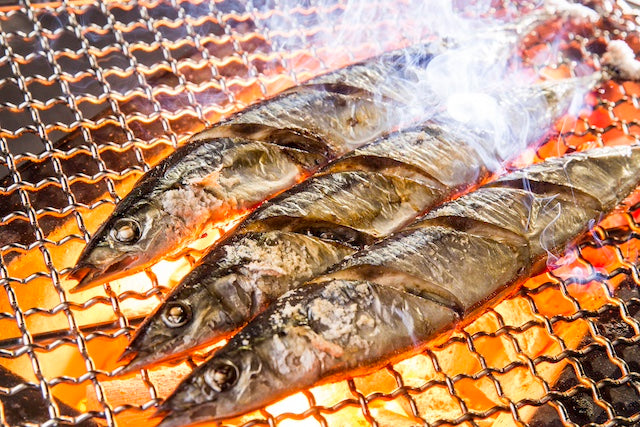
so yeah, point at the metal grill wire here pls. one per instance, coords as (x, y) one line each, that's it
(93, 94)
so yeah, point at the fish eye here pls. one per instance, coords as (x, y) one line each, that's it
(222, 377)
(126, 231)
(176, 314)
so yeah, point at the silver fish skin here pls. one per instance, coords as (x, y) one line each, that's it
(226, 171)
(298, 235)
(392, 298)
(365, 196)
(316, 331)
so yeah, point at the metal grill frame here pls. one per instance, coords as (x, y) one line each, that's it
(290, 67)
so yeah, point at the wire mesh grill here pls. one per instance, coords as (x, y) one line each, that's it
(94, 93)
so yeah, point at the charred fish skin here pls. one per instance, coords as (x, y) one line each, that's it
(317, 329)
(287, 241)
(225, 291)
(301, 233)
(178, 198)
(364, 196)
(420, 281)
(290, 136)
(334, 121)
(534, 212)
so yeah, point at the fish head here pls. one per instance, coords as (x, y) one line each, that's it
(191, 316)
(230, 383)
(131, 239)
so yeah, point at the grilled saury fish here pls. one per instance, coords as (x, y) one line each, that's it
(226, 171)
(357, 200)
(396, 295)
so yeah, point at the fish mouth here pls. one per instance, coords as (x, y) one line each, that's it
(89, 275)
(134, 360)
(172, 418)
(138, 354)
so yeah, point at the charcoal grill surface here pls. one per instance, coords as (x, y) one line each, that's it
(92, 94)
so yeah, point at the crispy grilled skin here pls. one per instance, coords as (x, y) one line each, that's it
(403, 291)
(231, 168)
(302, 232)
(365, 196)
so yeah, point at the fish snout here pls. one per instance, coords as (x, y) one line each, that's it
(90, 274)
(86, 274)
(80, 271)
(175, 416)
(144, 351)
(128, 355)
(133, 359)
(137, 355)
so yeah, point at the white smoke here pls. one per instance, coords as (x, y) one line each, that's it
(622, 59)
(468, 85)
